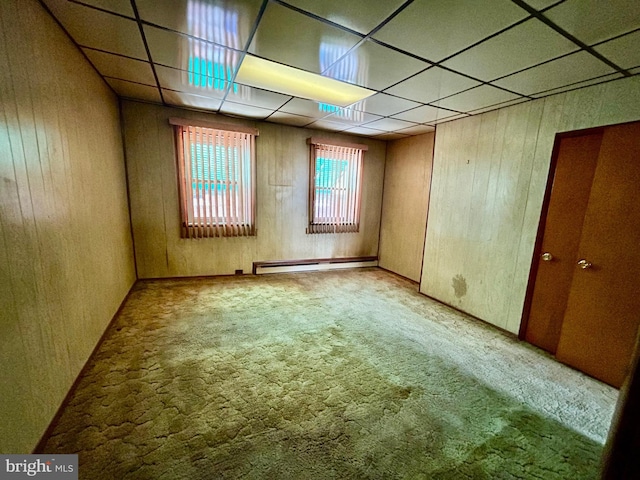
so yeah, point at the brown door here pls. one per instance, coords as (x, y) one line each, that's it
(585, 305)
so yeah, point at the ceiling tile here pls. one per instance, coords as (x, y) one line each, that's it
(182, 99)
(392, 136)
(383, 104)
(290, 119)
(570, 69)
(325, 124)
(417, 130)
(123, 7)
(96, 29)
(479, 97)
(203, 58)
(121, 67)
(289, 37)
(433, 84)
(308, 108)
(350, 116)
(369, 132)
(224, 22)
(623, 51)
(449, 119)
(593, 21)
(373, 66)
(359, 15)
(389, 124)
(169, 48)
(243, 110)
(135, 90)
(574, 86)
(257, 97)
(528, 44)
(425, 114)
(541, 4)
(436, 29)
(499, 105)
(183, 81)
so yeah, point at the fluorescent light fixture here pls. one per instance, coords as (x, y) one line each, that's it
(257, 72)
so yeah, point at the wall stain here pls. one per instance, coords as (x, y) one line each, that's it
(459, 286)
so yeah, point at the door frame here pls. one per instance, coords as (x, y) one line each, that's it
(537, 249)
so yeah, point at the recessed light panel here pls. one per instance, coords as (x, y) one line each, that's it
(257, 72)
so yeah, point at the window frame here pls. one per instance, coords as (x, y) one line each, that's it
(348, 222)
(195, 224)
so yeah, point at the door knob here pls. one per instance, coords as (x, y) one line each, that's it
(584, 264)
(546, 257)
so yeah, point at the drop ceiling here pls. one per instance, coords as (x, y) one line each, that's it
(428, 61)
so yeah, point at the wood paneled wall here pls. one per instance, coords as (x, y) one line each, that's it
(488, 184)
(66, 259)
(282, 191)
(407, 179)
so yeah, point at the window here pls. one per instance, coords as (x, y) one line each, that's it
(335, 186)
(216, 175)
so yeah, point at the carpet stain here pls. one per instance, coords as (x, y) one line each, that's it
(459, 284)
(283, 377)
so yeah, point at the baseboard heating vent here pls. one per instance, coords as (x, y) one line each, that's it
(307, 265)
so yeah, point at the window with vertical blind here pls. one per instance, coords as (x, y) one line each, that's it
(216, 176)
(335, 186)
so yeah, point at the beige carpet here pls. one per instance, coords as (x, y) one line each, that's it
(345, 375)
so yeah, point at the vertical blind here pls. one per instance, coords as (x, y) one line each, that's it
(335, 187)
(217, 181)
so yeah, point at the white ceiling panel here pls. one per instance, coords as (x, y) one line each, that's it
(390, 124)
(352, 117)
(479, 97)
(585, 83)
(499, 105)
(425, 114)
(433, 84)
(359, 15)
(567, 70)
(383, 104)
(417, 130)
(593, 21)
(523, 46)
(289, 37)
(326, 124)
(121, 7)
(373, 66)
(202, 58)
(224, 22)
(183, 81)
(244, 110)
(541, 4)
(308, 108)
(100, 30)
(622, 51)
(392, 136)
(436, 29)
(121, 67)
(368, 132)
(182, 99)
(135, 90)
(290, 119)
(257, 97)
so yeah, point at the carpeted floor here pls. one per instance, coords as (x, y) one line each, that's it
(345, 374)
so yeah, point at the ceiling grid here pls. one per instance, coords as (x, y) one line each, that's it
(424, 61)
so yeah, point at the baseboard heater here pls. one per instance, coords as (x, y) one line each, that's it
(282, 266)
